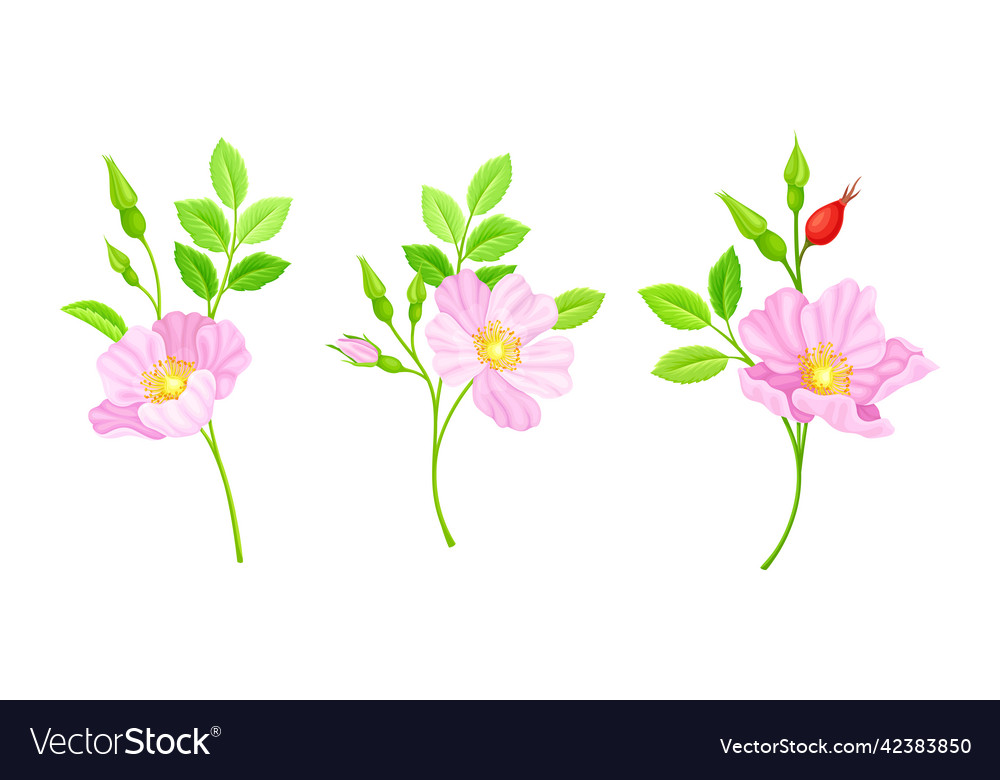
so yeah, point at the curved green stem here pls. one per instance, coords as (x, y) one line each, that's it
(157, 304)
(799, 446)
(732, 340)
(798, 255)
(438, 436)
(461, 247)
(214, 445)
(152, 300)
(225, 276)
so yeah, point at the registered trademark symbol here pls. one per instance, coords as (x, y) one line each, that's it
(216, 731)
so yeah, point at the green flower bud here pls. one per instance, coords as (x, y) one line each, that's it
(118, 259)
(796, 197)
(122, 195)
(416, 292)
(131, 277)
(382, 309)
(416, 312)
(373, 285)
(133, 223)
(390, 364)
(797, 169)
(772, 246)
(748, 222)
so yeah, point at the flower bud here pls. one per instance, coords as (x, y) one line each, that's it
(390, 364)
(131, 277)
(748, 222)
(382, 309)
(122, 195)
(797, 169)
(133, 223)
(373, 285)
(359, 351)
(118, 259)
(772, 246)
(416, 312)
(416, 292)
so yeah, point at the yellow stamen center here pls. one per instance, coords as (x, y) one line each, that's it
(167, 379)
(824, 372)
(497, 346)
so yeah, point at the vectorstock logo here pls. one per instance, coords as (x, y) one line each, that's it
(136, 742)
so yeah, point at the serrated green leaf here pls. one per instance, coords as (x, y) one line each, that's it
(576, 307)
(254, 271)
(489, 185)
(491, 274)
(442, 215)
(494, 237)
(430, 261)
(197, 271)
(100, 315)
(229, 174)
(724, 288)
(690, 364)
(677, 306)
(262, 220)
(205, 223)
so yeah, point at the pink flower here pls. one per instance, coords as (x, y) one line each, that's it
(828, 358)
(360, 351)
(165, 381)
(487, 337)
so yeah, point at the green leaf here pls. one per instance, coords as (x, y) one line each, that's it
(489, 185)
(677, 306)
(256, 270)
(197, 271)
(430, 261)
(262, 220)
(205, 223)
(229, 174)
(690, 364)
(491, 274)
(577, 307)
(724, 288)
(442, 215)
(494, 237)
(101, 316)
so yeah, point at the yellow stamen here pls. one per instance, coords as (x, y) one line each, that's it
(824, 372)
(167, 379)
(497, 346)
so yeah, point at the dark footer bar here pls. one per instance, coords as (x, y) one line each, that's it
(497, 738)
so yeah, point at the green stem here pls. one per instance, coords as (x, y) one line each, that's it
(151, 299)
(214, 445)
(798, 255)
(158, 305)
(225, 277)
(732, 340)
(461, 247)
(799, 446)
(438, 437)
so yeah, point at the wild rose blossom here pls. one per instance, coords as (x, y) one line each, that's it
(165, 381)
(488, 337)
(828, 359)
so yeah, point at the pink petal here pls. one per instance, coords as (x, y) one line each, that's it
(222, 350)
(775, 334)
(185, 415)
(122, 366)
(113, 421)
(544, 368)
(508, 406)
(455, 358)
(358, 350)
(773, 390)
(465, 298)
(844, 315)
(843, 413)
(902, 363)
(514, 305)
(179, 331)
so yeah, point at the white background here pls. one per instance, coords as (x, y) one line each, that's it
(614, 550)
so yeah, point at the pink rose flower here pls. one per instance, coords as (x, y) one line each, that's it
(362, 352)
(165, 381)
(828, 358)
(488, 338)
